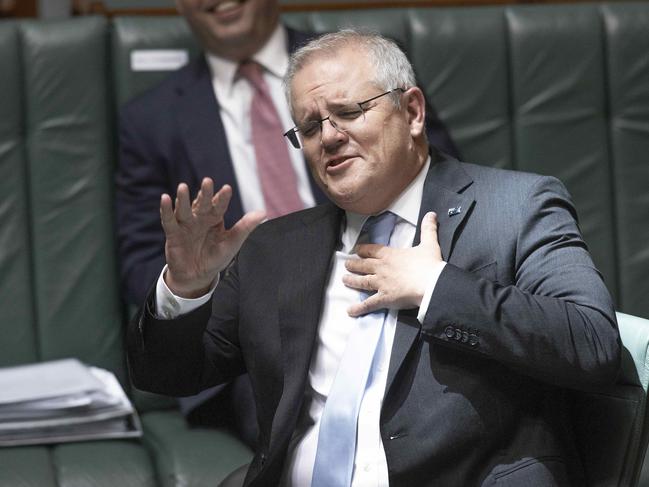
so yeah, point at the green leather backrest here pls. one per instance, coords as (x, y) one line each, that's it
(461, 58)
(59, 279)
(560, 127)
(132, 34)
(627, 70)
(18, 334)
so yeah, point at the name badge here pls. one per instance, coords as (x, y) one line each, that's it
(158, 59)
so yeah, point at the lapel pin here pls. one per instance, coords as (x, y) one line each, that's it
(454, 211)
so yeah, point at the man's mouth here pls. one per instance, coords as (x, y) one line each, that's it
(333, 163)
(337, 160)
(225, 6)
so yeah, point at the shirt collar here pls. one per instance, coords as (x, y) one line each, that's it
(273, 57)
(406, 207)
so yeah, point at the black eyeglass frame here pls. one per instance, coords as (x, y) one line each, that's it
(291, 134)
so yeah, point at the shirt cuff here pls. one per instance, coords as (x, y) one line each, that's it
(425, 301)
(169, 306)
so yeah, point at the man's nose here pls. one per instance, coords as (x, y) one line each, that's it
(331, 136)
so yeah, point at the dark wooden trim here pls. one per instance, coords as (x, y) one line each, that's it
(22, 8)
(99, 8)
(341, 5)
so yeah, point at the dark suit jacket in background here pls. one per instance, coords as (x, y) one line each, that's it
(477, 394)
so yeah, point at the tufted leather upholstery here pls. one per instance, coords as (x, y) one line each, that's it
(58, 271)
(555, 89)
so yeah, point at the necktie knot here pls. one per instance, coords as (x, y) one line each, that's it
(379, 228)
(253, 73)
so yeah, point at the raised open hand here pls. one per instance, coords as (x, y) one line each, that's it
(198, 245)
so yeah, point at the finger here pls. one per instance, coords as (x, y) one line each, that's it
(203, 202)
(183, 208)
(221, 200)
(167, 218)
(362, 283)
(429, 229)
(370, 250)
(361, 266)
(372, 303)
(240, 231)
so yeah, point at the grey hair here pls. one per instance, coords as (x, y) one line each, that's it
(392, 69)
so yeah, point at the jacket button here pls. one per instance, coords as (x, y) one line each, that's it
(473, 339)
(449, 331)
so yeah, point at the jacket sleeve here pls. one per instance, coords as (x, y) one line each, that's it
(183, 356)
(140, 180)
(556, 322)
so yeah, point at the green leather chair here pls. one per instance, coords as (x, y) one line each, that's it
(58, 286)
(58, 269)
(633, 332)
(611, 425)
(556, 89)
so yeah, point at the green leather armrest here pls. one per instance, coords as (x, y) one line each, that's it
(190, 457)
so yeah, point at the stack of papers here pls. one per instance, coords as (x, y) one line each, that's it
(60, 401)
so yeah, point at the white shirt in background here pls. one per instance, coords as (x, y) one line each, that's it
(234, 97)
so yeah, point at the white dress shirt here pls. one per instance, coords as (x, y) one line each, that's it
(370, 465)
(234, 97)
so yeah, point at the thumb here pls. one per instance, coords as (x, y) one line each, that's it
(429, 229)
(240, 231)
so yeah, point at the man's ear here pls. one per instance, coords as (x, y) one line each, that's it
(415, 106)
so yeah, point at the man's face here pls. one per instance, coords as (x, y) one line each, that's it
(365, 168)
(234, 29)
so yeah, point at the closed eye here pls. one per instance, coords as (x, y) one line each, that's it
(349, 113)
(309, 129)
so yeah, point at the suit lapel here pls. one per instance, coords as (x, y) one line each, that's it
(445, 182)
(443, 193)
(203, 133)
(307, 256)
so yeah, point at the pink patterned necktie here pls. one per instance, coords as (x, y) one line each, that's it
(276, 173)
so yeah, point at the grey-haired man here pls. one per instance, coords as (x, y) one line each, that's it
(484, 302)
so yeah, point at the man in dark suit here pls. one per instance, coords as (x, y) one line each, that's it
(182, 130)
(196, 124)
(492, 304)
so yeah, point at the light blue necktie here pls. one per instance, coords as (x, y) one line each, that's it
(334, 461)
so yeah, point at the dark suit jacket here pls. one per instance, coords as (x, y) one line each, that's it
(172, 134)
(476, 395)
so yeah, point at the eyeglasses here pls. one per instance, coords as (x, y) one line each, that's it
(342, 119)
